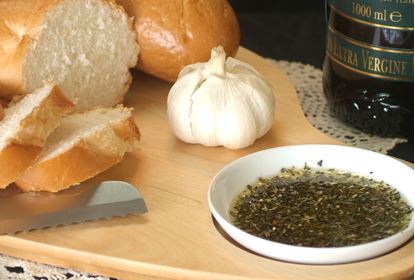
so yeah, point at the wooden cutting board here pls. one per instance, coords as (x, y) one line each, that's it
(178, 238)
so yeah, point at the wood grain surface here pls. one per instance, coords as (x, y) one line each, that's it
(178, 238)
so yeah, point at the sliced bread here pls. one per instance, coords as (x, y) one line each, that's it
(84, 145)
(25, 126)
(86, 46)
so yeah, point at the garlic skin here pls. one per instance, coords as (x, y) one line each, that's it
(223, 102)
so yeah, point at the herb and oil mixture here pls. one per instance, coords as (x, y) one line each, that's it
(320, 208)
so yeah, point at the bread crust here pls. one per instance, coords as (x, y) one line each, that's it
(69, 168)
(14, 160)
(1, 111)
(26, 145)
(175, 33)
(88, 157)
(20, 21)
(127, 130)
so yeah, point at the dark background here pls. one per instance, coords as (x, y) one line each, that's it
(291, 30)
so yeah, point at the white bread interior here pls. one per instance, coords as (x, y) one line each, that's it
(86, 46)
(24, 129)
(82, 146)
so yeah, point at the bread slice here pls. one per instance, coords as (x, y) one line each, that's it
(25, 127)
(86, 46)
(82, 146)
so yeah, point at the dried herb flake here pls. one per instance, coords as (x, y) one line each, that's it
(320, 208)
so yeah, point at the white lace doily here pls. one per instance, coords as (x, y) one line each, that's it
(17, 269)
(307, 81)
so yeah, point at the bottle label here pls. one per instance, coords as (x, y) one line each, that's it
(394, 14)
(384, 63)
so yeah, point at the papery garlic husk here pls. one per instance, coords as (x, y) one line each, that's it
(223, 102)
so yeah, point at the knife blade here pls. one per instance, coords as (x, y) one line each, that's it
(78, 204)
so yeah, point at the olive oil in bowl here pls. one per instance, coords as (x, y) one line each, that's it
(320, 208)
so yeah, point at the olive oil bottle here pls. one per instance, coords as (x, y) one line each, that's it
(369, 66)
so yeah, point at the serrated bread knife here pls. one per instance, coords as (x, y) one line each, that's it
(81, 203)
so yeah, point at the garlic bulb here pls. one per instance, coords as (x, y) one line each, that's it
(223, 102)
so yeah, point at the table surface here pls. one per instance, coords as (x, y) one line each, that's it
(279, 30)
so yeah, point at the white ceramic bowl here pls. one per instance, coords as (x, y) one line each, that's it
(233, 178)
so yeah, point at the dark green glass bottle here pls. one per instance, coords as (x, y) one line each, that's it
(368, 70)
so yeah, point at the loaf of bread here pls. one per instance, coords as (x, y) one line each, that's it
(84, 145)
(175, 33)
(86, 46)
(24, 128)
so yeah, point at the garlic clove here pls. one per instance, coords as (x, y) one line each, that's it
(220, 117)
(179, 106)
